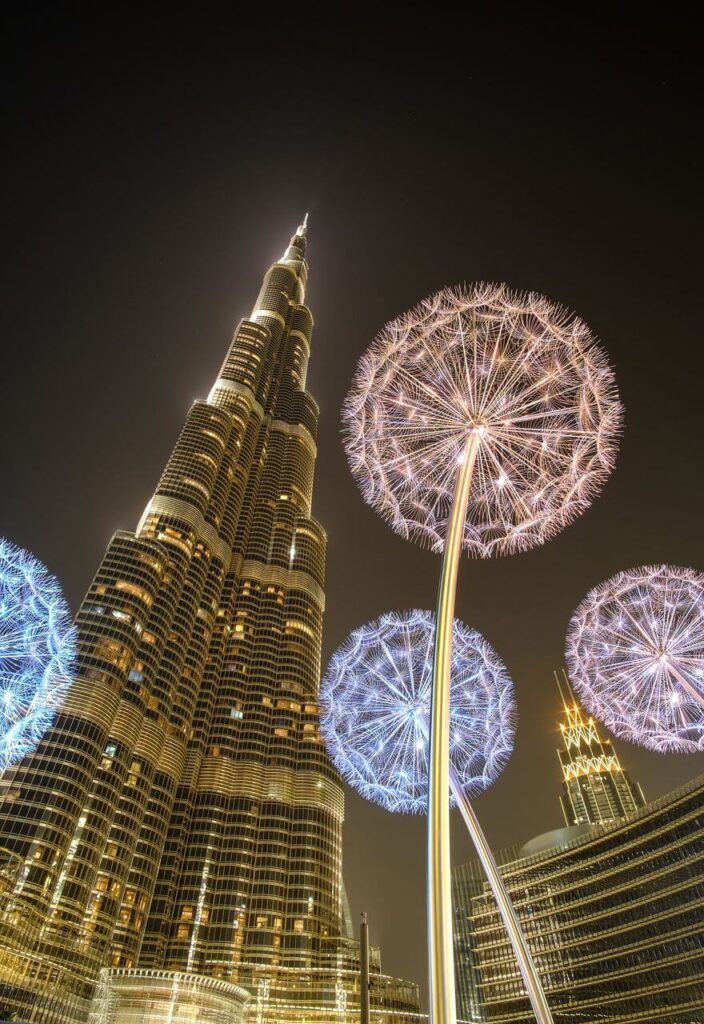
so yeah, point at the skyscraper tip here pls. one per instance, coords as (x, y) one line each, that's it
(559, 687)
(303, 228)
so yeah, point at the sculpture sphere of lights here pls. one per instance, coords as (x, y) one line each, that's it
(484, 419)
(513, 377)
(635, 654)
(375, 710)
(37, 650)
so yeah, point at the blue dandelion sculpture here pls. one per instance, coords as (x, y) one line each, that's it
(375, 710)
(37, 651)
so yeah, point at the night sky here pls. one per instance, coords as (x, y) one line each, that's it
(154, 169)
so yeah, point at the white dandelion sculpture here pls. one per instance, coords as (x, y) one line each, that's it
(375, 710)
(37, 651)
(635, 653)
(486, 419)
(513, 382)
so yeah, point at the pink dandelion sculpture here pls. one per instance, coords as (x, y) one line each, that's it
(518, 373)
(483, 419)
(635, 653)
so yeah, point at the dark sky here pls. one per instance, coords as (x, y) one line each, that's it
(152, 171)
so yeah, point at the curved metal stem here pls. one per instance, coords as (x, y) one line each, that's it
(440, 944)
(513, 927)
(441, 967)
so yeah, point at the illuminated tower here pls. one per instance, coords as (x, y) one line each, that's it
(595, 788)
(182, 815)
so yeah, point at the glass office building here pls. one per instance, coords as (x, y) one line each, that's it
(614, 917)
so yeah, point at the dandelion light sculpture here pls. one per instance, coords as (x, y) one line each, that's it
(37, 650)
(483, 419)
(375, 710)
(510, 384)
(635, 654)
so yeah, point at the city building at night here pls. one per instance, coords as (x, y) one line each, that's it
(595, 788)
(173, 846)
(613, 916)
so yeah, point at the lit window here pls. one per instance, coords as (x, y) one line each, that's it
(132, 588)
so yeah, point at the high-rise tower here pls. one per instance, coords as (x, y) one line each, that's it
(182, 814)
(595, 788)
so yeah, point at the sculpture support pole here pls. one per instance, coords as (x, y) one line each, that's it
(441, 967)
(513, 927)
(440, 938)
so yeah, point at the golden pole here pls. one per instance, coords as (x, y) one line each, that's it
(441, 777)
(441, 967)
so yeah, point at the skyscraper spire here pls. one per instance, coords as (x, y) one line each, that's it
(182, 817)
(297, 247)
(595, 788)
(565, 681)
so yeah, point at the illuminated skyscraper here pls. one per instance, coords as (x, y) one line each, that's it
(595, 788)
(182, 815)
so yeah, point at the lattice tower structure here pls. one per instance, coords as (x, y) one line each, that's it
(596, 789)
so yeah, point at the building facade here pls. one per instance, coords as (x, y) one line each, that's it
(182, 815)
(613, 917)
(468, 881)
(595, 788)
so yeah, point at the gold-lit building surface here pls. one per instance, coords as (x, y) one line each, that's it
(28, 979)
(182, 814)
(613, 918)
(595, 788)
(125, 996)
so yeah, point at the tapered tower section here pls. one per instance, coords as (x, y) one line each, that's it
(595, 788)
(182, 817)
(251, 867)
